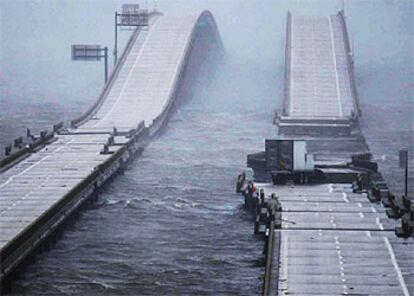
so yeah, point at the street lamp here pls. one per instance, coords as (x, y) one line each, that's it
(82, 52)
(403, 161)
(131, 16)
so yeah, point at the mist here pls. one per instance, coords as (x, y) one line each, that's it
(228, 116)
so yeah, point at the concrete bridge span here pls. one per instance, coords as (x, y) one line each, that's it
(320, 95)
(45, 186)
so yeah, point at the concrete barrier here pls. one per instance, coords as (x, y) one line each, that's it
(350, 61)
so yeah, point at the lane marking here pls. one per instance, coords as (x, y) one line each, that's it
(24, 171)
(377, 220)
(33, 165)
(361, 214)
(338, 96)
(130, 73)
(18, 201)
(285, 260)
(344, 196)
(397, 268)
(368, 233)
(351, 96)
(373, 210)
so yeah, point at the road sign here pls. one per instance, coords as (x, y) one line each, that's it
(133, 16)
(130, 8)
(86, 52)
(82, 52)
(130, 17)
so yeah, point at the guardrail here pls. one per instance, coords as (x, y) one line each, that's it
(269, 259)
(159, 121)
(44, 139)
(18, 248)
(26, 241)
(349, 61)
(268, 218)
(112, 77)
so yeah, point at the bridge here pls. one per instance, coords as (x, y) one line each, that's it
(45, 184)
(325, 234)
(319, 86)
(330, 239)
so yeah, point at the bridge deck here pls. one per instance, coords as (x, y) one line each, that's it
(319, 91)
(146, 82)
(335, 242)
(319, 81)
(142, 90)
(30, 188)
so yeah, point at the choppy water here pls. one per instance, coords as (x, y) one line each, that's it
(172, 224)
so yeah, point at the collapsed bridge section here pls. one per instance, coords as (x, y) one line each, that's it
(320, 95)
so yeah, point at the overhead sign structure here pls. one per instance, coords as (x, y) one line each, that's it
(83, 52)
(403, 158)
(131, 16)
(86, 52)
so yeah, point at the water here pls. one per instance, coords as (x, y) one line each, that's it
(172, 224)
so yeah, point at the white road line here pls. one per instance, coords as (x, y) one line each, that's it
(32, 166)
(397, 268)
(347, 73)
(344, 196)
(373, 210)
(380, 226)
(284, 262)
(338, 96)
(361, 214)
(368, 233)
(44, 180)
(130, 72)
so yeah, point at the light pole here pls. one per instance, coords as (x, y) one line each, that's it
(116, 39)
(82, 52)
(404, 165)
(131, 16)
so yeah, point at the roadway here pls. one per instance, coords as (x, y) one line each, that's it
(39, 192)
(336, 242)
(320, 94)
